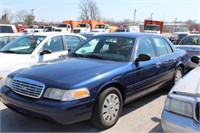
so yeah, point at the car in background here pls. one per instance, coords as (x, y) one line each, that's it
(5, 38)
(8, 28)
(191, 43)
(178, 33)
(35, 48)
(96, 79)
(181, 112)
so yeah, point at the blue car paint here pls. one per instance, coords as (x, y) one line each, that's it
(133, 79)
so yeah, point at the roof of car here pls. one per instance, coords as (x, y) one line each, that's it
(11, 34)
(53, 33)
(129, 34)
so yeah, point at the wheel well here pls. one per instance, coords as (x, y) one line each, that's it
(182, 66)
(116, 85)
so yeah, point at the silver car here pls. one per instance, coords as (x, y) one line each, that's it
(182, 107)
(191, 43)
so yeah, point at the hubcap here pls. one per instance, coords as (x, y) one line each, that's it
(110, 108)
(178, 76)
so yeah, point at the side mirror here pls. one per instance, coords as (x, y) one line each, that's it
(194, 61)
(45, 51)
(142, 57)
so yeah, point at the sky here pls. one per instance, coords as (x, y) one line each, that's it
(117, 10)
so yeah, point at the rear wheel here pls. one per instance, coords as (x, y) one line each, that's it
(107, 108)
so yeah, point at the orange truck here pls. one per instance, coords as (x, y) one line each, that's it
(72, 23)
(153, 26)
(87, 26)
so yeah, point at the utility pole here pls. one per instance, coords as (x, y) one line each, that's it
(151, 16)
(32, 10)
(134, 16)
(175, 21)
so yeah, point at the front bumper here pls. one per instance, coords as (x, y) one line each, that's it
(172, 122)
(61, 112)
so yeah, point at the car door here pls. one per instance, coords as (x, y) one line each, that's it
(56, 46)
(147, 73)
(167, 58)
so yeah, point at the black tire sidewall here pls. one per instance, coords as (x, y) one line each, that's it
(99, 105)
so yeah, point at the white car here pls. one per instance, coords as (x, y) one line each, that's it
(35, 48)
(182, 107)
(5, 38)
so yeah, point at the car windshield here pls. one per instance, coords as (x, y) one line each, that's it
(99, 26)
(106, 48)
(23, 45)
(152, 27)
(81, 25)
(180, 29)
(190, 40)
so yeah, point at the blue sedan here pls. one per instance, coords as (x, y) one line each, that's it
(96, 79)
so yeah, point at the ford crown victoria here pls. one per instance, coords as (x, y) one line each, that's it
(96, 79)
(182, 106)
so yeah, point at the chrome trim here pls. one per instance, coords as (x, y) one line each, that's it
(28, 87)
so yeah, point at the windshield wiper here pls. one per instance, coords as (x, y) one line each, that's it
(94, 56)
(74, 55)
(8, 51)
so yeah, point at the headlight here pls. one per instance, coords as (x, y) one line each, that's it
(179, 107)
(66, 95)
(8, 82)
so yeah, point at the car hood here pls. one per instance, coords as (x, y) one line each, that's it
(8, 61)
(70, 71)
(189, 84)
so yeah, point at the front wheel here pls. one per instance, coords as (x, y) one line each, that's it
(107, 108)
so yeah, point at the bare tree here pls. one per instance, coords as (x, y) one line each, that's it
(89, 10)
(7, 16)
(25, 17)
(21, 16)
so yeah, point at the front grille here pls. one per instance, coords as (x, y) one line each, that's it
(28, 87)
(197, 111)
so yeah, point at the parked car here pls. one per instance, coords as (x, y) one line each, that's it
(96, 79)
(34, 48)
(178, 33)
(5, 38)
(8, 28)
(191, 43)
(182, 107)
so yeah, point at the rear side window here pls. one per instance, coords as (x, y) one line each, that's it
(6, 29)
(163, 47)
(72, 41)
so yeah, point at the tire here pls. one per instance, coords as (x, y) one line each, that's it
(177, 75)
(107, 108)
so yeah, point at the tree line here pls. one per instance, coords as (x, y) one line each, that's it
(88, 10)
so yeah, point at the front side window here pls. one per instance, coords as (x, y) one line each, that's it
(23, 45)
(108, 48)
(163, 47)
(54, 44)
(145, 46)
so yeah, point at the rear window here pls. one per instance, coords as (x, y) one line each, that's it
(6, 29)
